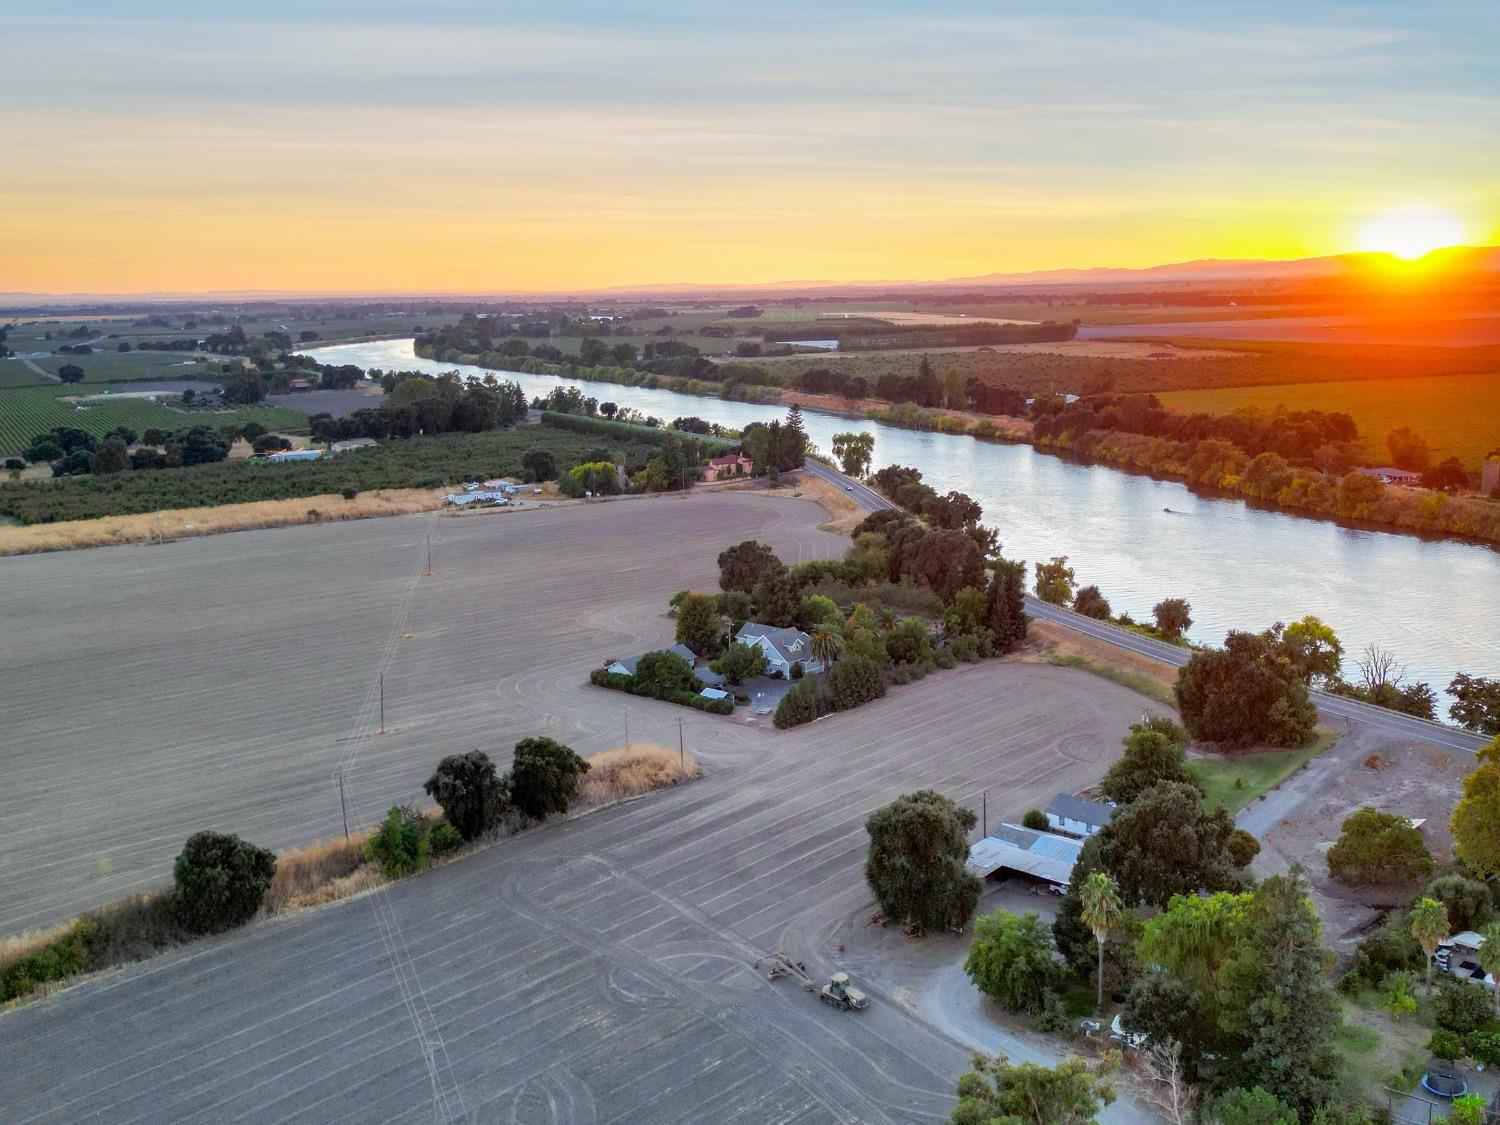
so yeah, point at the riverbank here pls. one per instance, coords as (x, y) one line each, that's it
(1355, 500)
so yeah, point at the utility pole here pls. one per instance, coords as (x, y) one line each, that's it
(681, 753)
(343, 808)
(984, 798)
(429, 554)
(382, 704)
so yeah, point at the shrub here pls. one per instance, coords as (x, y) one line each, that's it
(1091, 603)
(219, 881)
(1467, 900)
(915, 867)
(854, 680)
(1462, 1007)
(1387, 949)
(908, 642)
(1011, 961)
(805, 702)
(57, 959)
(1378, 847)
(797, 672)
(1481, 1046)
(1249, 1107)
(400, 845)
(471, 794)
(1446, 1044)
(544, 777)
(349, 492)
(445, 838)
(1036, 820)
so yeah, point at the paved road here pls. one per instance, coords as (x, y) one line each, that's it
(1388, 722)
(596, 970)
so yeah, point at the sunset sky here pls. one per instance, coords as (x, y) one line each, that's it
(458, 146)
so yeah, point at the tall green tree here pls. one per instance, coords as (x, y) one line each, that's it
(1378, 847)
(1010, 961)
(1489, 958)
(1054, 580)
(1276, 1001)
(1245, 693)
(1429, 925)
(1164, 843)
(1311, 647)
(1476, 702)
(472, 794)
(915, 867)
(1476, 818)
(1173, 617)
(747, 564)
(219, 881)
(1150, 757)
(854, 451)
(740, 662)
(700, 626)
(997, 1092)
(544, 777)
(1005, 596)
(1102, 912)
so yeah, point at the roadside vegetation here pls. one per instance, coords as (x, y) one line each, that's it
(221, 882)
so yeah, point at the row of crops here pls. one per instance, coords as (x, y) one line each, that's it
(26, 412)
(415, 463)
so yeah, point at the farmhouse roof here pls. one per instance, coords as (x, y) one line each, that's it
(1081, 809)
(792, 644)
(1041, 855)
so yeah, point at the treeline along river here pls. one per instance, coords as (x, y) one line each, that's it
(1435, 604)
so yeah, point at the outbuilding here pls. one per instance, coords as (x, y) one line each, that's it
(1012, 850)
(1078, 816)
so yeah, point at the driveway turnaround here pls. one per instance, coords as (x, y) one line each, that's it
(591, 970)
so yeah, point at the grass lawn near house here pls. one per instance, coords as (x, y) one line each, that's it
(1234, 780)
(1378, 1050)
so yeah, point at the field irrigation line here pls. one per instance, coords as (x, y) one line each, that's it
(387, 924)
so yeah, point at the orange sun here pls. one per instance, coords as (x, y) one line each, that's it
(1411, 232)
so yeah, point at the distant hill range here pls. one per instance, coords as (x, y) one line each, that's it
(1459, 259)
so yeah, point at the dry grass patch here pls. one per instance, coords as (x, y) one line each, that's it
(616, 775)
(183, 523)
(308, 876)
(1066, 648)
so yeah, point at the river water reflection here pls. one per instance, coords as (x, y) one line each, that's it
(1436, 604)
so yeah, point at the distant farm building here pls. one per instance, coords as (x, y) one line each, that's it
(350, 444)
(301, 385)
(293, 455)
(1389, 474)
(1078, 816)
(729, 465)
(1044, 857)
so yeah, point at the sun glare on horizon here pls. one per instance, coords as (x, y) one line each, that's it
(1411, 232)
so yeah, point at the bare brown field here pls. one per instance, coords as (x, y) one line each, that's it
(184, 523)
(843, 512)
(634, 770)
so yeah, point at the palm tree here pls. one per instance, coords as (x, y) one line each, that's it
(1429, 925)
(826, 646)
(1102, 912)
(1489, 958)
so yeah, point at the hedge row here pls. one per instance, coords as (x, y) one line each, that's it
(601, 677)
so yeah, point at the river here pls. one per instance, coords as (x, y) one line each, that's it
(1435, 604)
